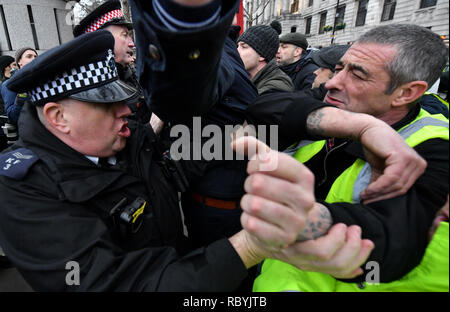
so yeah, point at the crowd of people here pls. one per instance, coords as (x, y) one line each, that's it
(359, 174)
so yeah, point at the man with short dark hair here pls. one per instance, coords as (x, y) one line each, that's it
(294, 59)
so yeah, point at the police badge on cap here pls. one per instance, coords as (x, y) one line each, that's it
(82, 69)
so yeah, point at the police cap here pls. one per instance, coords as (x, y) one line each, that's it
(82, 69)
(109, 13)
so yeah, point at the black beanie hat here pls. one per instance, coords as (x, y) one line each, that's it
(263, 39)
(5, 60)
(277, 26)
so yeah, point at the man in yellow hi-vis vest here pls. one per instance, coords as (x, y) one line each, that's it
(383, 74)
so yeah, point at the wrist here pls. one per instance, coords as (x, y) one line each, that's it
(318, 222)
(247, 248)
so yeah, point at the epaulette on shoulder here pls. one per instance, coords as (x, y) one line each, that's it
(16, 163)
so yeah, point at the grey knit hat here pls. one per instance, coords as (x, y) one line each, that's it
(296, 39)
(263, 39)
(21, 51)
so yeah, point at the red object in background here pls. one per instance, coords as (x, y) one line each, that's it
(240, 16)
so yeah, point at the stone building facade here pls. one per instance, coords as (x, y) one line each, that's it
(40, 24)
(316, 18)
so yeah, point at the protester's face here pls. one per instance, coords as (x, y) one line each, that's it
(360, 80)
(322, 76)
(97, 129)
(7, 71)
(287, 54)
(249, 57)
(123, 45)
(27, 57)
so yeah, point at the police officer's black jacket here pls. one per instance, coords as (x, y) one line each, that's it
(54, 210)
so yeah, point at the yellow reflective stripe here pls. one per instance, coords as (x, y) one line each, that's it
(308, 149)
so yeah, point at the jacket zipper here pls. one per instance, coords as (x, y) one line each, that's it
(329, 150)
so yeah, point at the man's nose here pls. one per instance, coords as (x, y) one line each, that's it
(336, 81)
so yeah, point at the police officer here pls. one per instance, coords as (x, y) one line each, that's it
(109, 16)
(83, 188)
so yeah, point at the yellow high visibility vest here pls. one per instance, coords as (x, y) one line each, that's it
(432, 274)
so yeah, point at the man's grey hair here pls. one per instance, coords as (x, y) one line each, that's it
(421, 53)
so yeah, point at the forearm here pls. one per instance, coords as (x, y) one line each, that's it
(335, 122)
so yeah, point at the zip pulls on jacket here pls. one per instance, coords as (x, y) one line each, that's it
(330, 148)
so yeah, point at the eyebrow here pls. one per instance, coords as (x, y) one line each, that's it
(359, 68)
(354, 67)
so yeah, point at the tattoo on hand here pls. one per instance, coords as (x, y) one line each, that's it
(318, 223)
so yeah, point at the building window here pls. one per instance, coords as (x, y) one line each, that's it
(33, 27)
(310, 2)
(388, 10)
(340, 13)
(308, 26)
(362, 12)
(5, 27)
(427, 3)
(294, 6)
(323, 20)
(293, 29)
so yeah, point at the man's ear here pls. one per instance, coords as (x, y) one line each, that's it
(298, 52)
(54, 114)
(409, 92)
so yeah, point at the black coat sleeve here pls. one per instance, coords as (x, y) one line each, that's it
(181, 72)
(43, 235)
(286, 110)
(399, 226)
